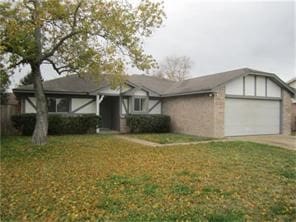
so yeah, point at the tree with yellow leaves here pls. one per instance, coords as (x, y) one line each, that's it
(75, 36)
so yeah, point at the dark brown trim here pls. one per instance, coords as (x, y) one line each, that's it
(52, 92)
(244, 85)
(23, 104)
(82, 106)
(253, 97)
(187, 94)
(255, 86)
(266, 86)
(272, 76)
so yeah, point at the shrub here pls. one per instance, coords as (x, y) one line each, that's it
(58, 124)
(148, 123)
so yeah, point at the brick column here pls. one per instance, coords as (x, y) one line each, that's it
(219, 105)
(286, 110)
(123, 127)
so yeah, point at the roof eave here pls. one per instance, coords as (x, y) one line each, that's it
(277, 79)
(291, 80)
(29, 91)
(259, 73)
(141, 87)
(187, 93)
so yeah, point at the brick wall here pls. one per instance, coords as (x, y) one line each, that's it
(219, 107)
(123, 127)
(286, 113)
(293, 117)
(192, 114)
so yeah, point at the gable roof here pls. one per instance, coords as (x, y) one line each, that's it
(155, 84)
(209, 83)
(204, 83)
(73, 84)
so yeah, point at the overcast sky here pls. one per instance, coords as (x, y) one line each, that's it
(225, 35)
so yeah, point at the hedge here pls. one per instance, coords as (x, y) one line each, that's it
(148, 123)
(58, 124)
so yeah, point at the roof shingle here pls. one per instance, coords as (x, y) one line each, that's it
(164, 87)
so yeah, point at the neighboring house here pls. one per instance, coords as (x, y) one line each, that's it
(238, 102)
(292, 84)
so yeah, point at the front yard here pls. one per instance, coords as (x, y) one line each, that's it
(167, 138)
(103, 178)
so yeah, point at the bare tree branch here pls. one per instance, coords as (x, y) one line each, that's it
(12, 66)
(175, 68)
(62, 69)
(62, 40)
(54, 66)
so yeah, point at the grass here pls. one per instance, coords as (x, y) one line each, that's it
(167, 138)
(103, 178)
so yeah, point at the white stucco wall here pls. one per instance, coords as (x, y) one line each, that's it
(136, 92)
(110, 91)
(126, 103)
(273, 90)
(75, 103)
(139, 93)
(156, 109)
(235, 87)
(250, 85)
(262, 84)
(28, 107)
(78, 102)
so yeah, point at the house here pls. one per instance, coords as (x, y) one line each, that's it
(232, 103)
(292, 84)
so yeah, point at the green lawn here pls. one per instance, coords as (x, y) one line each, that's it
(167, 138)
(103, 178)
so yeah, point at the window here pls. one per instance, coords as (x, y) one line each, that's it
(60, 105)
(51, 104)
(140, 104)
(63, 105)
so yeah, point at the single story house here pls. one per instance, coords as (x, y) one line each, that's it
(292, 84)
(232, 103)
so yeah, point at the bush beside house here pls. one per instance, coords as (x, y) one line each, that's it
(58, 124)
(148, 123)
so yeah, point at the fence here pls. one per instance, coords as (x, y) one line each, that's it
(6, 125)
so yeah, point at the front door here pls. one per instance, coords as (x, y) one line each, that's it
(109, 111)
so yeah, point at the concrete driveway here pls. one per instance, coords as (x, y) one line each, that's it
(288, 142)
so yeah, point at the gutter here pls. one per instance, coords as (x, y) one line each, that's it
(187, 93)
(50, 92)
(91, 94)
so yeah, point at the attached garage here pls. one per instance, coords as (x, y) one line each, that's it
(234, 103)
(251, 117)
(252, 106)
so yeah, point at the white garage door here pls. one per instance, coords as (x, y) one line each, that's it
(251, 117)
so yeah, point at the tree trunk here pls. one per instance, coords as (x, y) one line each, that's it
(41, 126)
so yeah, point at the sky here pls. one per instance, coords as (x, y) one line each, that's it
(223, 35)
